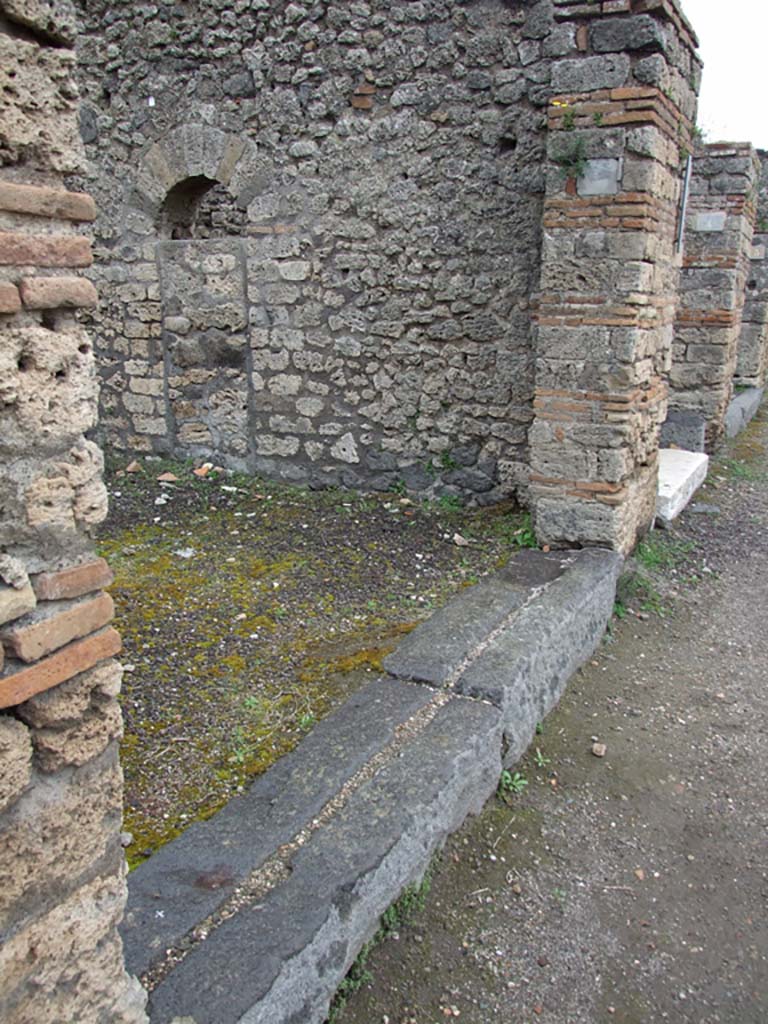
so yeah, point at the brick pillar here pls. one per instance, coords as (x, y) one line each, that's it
(61, 861)
(718, 243)
(618, 122)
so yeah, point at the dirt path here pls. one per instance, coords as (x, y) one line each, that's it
(633, 887)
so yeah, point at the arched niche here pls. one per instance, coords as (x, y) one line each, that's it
(196, 164)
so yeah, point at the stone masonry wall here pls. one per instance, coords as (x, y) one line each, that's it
(718, 242)
(752, 358)
(319, 228)
(620, 122)
(61, 862)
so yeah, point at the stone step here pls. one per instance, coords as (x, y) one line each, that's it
(742, 408)
(254, 916)
(681, 473)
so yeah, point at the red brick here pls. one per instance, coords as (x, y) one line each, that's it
(582, 37)
(365, 89)
(9, 298)
(58, 292)
(44, 250)
(362, 102)
(46, 202)
(73, 581)
(19, 684)
(54, 624)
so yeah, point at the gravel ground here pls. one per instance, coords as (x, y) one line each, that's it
(249, 610)
(630, 887)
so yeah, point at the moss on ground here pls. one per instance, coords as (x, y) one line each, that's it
(250, 610)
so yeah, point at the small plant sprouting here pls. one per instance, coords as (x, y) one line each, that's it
(450, 503)
(597, 118)
(512, 782)
(572, 161)
(307, 720)
(524, 536)
(541, 760)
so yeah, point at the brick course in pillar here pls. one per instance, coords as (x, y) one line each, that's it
(609, 273)
(718, 244)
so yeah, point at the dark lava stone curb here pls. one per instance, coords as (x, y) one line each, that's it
(404, 764)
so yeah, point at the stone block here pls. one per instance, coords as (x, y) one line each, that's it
(73, 581)
(708, 221)
(245, 833)
(44, 250)
(589, 73)
(46, 202)
(54, 836)
(20, 682)
(77, 743)
(66, 965)
(38, 105)
(742, 408)
(48, 388)
(310, 927)
(685, 429)
(55, 623)
(681, 473)
(618, 35)
(526, 663)
(15, 760)
(58, 293)
(16, 601)
(600, 178)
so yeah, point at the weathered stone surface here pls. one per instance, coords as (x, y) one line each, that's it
(19, 682)
(51, 504)
(308, 930)
(742, 408)
(58, 293)
(53, 19)
(614, 35)
(48, 388)
(59, 834)
(55, 623)
(683, 429)
(38, 106)
(436, 650)
(67, 703)
(251, 827)
(67, 964)
(524, 668)
(16, 601)
(77, 744)
(15, 760)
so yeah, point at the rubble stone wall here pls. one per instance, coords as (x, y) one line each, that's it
(719, 227)
(319, 230)
(620, 122)
(61, 860)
